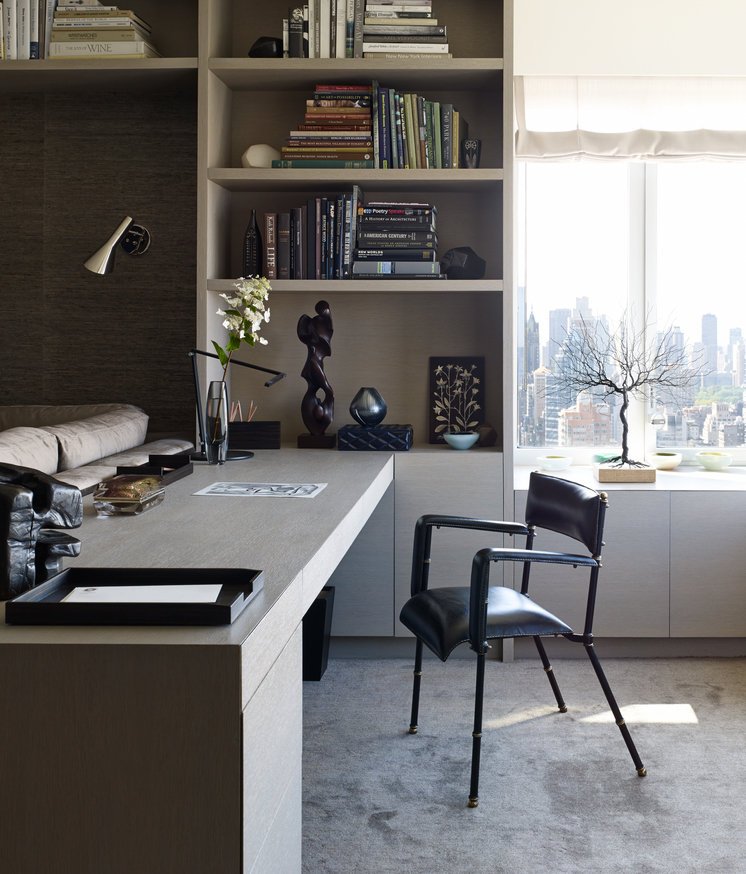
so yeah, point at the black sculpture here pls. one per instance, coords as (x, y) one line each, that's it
(317, 406)
(32, 506)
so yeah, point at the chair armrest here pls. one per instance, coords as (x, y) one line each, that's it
(480, 578)
(423, 537)
(499, 526)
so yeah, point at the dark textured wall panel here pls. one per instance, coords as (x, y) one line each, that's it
(73, 166)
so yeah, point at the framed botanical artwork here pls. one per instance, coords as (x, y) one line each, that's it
(456, 395)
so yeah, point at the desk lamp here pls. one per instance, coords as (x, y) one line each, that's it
(232, 454)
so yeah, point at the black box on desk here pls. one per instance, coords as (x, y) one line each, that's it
(254, 435)
(375, 437)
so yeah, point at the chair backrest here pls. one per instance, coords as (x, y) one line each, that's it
(567, 508)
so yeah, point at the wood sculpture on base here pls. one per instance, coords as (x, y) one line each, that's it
(317, 406)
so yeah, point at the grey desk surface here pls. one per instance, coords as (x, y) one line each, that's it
(298, 542)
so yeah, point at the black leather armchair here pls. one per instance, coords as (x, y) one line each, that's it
(443, 618)
(33, 509)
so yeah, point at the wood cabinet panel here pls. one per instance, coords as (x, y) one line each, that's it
(708, 558)
(633, 597)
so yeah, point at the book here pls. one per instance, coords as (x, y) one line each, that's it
(295, 31)
(404, 56)
(397, 209)
(325, 152)
(23, 14)
(396, 18)
(399, 276)
(446, 133)
(324, 29)
(396, 222)
(329, 163)
(134, 49)
(283, 245)
(74, 4)
(424, 48)
(79, 34)
(356, 136)
(401, 267)
(357, 28)
(297, 243)
(394, 239)
(11, 33)
(34, 31)
(332, 143)
(310, 238)
(384, 139)
(270, 245)
(86, 14)
(400, 30)
(340, 34)
(387, 254)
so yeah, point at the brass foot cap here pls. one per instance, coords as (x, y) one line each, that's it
(563, 709)
(473, 802)
(412, 729)
(641, 772)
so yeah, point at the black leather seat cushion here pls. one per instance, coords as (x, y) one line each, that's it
(440, 617)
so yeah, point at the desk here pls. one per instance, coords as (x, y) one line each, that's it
(178, 750)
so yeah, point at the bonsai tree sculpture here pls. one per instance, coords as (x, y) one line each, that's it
(620, 363)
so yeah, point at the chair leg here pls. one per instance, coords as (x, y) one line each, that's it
(589, 648)
(477, 733)
(550, 674)
(416, 688)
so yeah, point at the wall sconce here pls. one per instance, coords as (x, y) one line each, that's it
(134, 239)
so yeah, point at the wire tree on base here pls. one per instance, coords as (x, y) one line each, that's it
(622, 363)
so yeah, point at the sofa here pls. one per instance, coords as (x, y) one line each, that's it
(79, 444)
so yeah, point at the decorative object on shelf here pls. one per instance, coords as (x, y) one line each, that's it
(712, 459)
(33, 506)
(216, 422)
(462, 263)
(317, 406)
(554, 462)
(487, 435)
(461, 441)
(472, 150)
(128, 495)
(252, 248)
(368, 407)
(133, 239)
(391, 438)
(665, 460)
(259, 155)
(266, 47)
(457, 395)
(619, 362)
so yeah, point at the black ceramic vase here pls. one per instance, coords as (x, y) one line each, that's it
(368, 407)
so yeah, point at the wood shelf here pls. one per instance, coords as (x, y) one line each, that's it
(97, 74)
(368, 286)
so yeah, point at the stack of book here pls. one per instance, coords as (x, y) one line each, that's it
(413, 133)
(21, 29)
(402, 30)
(93, 30)
(396, 240)
(335, 131)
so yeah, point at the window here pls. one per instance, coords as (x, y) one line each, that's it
(662, 242)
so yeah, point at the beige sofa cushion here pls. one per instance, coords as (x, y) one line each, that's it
(86, 440)
(29, 447)
(33, 415)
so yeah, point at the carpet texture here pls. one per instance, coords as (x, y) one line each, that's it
(558, 792)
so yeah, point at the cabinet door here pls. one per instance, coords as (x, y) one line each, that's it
(451, 482)
(708, 556)
(364, 579)
(633, 596)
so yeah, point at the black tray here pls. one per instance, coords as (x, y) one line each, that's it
(43, 604)
(168, 467)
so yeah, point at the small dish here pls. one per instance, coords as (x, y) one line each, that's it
(461, 441)
(665, 460)
(554, 462)
(711, 459)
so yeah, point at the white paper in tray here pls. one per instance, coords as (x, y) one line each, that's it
(198, 594)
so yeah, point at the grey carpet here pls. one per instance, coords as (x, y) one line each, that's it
(558, 791)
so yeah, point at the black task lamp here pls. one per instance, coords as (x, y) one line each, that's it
(232, 454)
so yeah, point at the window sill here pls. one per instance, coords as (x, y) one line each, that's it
(683, 479)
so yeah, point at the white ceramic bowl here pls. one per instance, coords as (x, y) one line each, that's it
(461, 441)
(554, 462)
(711, 459)
(665, 460)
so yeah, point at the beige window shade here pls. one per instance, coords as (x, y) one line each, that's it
(630, 117)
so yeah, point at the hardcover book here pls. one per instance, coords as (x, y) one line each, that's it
(283, 245)
(270, 244)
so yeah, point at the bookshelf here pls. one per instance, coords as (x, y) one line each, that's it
(248, 101)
